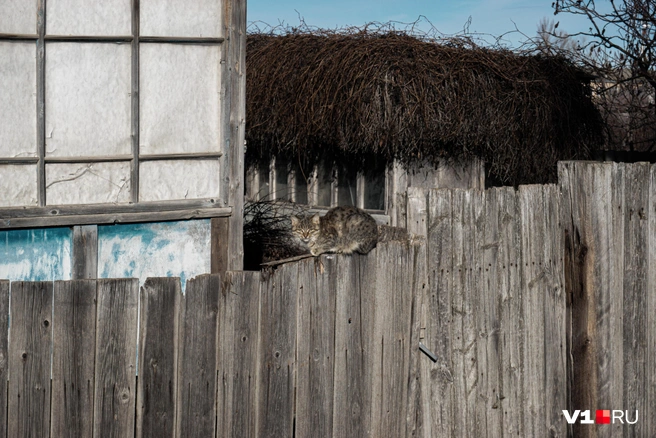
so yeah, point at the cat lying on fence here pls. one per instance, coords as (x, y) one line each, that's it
(343, 230)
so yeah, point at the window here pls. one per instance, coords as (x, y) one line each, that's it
(321, 186)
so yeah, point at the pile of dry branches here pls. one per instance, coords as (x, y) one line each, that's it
(362, 94)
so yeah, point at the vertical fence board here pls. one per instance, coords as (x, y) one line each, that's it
(4, 365)
(651, 304)
(29, 359)
(417, 211)
(315, 348)
(464, 323)
(488, 300)
(196, 410)
(437, 382)
(512, 325)
(554, 313)
(635, 317)
(418, 288)
(533, 284)
(389, 353)
(158, 353)
(352, 379)
(116, 347)
(278, 353)
(73, 358)
(237, 357)
(85, 251)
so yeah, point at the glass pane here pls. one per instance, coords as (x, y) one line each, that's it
(84, 17)
(263, 173)
(179, 98)
(17, 99)
(88, 104)
(87, 183)
(18, 185)
(324, 179)
(282, 173)
(200, 18)
(300, 185)
(346, 189)
(374, 190)
(178, 179)
(18, 16)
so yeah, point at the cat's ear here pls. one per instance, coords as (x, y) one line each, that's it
(316, 219)
(295, 221)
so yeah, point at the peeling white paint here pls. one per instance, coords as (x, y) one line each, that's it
(17, 99)
(183, 179)
(200, 18)
(36, 255)
(82, 17)
(18, 16)
(90, 183)
(18, 185)
(179, 105)
(88, 99)
(171, 249)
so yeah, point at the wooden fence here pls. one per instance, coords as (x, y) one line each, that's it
(524, 296)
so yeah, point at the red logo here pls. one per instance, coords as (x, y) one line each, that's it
(602, 417)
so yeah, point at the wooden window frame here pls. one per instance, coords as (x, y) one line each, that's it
(45, 215)
(253, 184)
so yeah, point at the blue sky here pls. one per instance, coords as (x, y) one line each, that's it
(448, 16)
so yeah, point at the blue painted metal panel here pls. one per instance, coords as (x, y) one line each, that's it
(168, 249)
(36, 255)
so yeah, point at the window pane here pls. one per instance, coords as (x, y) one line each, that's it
(263, 192)
(178, 179)
(180, 101)
(324, 179)
(300, 185)
(87, 183)
(374, 190)
(282, 172)
(88, 103)
(18, 16)
(84, 17)
(200, 18)
(17, 99)
(346, 189)
(18, 185)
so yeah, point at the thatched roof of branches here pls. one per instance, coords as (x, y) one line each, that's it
(356, 95)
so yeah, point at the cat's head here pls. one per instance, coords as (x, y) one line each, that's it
(306, 228)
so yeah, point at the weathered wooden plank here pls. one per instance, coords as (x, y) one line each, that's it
(594, 269)
(220, 230)
(555, 396)
(487, 309)
(417, 211)
(4, 365)
(315, 346)
(512, 325)
(116, 347)
(464, 320)
(651, 303)
(418, 287)
(389, 354)
(436, 410)
(237, 358)
(73, 358)
(85, 252)
(277, 353)
(158, 357)
(196, 409)
(29, 359)
(396, 185)
(352, 375)
(533, 284)
(635, 317)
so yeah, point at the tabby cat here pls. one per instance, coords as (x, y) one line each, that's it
(343, 230)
